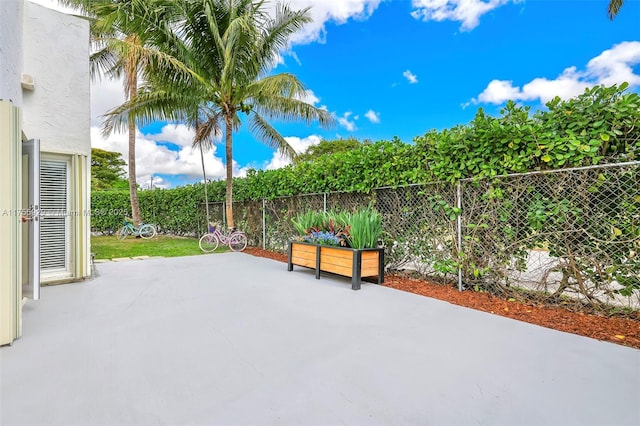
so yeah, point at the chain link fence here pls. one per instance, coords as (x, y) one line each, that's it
(569, 236)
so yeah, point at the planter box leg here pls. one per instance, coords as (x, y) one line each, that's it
(290, 263)
(357, 267)
(317, 262)
(381, 266)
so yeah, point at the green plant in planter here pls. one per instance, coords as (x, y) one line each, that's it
(309, 221)
(365, 228)
(361, 229)
(318, 227)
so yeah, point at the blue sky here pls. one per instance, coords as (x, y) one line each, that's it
(403, 67)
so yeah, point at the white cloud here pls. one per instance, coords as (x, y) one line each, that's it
(105, 95)
(613, 66)
(299, 146)
(411, 77)
(309, 97)
(373, 116)
(344, 122)
(324, 11)
(468, 12)
(158, 182)
(498, 91)
(179, 134)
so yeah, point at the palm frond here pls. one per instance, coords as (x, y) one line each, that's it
(270, 136)
(147, 107)
(208, 131)
(614, 8)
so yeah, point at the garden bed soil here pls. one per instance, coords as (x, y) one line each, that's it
(621, 330)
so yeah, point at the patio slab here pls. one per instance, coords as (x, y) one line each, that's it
(231, 339)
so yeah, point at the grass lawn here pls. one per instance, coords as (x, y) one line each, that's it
(108, 247)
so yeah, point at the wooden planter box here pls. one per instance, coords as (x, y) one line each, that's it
(354, 263)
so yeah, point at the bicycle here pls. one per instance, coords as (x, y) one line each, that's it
(236, 240)
(145, 230)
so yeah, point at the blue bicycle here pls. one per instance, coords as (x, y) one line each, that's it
(145, 230)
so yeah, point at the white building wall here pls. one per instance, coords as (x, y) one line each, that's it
(10, 51)
(56, 54)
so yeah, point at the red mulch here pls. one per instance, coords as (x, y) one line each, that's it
(624, 331)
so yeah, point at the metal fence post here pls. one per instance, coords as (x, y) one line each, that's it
(325, 202)
(459, 205)
(264, 224)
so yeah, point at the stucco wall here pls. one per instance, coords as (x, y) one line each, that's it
(10, 52)
(56, 54)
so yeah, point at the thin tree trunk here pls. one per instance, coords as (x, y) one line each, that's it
(133, 186)
(229, 159)
(206, 194)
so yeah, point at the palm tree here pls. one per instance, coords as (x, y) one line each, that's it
(219, 58)
(115, 24)
(614, 8)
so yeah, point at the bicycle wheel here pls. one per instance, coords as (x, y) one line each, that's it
(208, 243)
(122, 233)
(238, 241)
(147, 231)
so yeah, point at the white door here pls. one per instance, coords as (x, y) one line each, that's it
(31, 162)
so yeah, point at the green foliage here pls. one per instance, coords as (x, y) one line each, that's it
(361, 229)
(602, 124)
(309, 221)
(329, 147)
(179, 211)
(107, 170)
(383, 163)
(366, 228)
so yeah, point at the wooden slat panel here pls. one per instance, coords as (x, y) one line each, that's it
(330, 251)
(303, 254)
(304, 262)
(347, 262)
(336, 261)
(370, 255)
(340, 270)
(298, 248)
(369, 271)
(370, 262)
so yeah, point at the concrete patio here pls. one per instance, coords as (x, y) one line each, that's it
(237, 340)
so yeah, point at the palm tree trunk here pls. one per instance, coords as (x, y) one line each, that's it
(229, 159)
(133, 186)
(206, 194)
